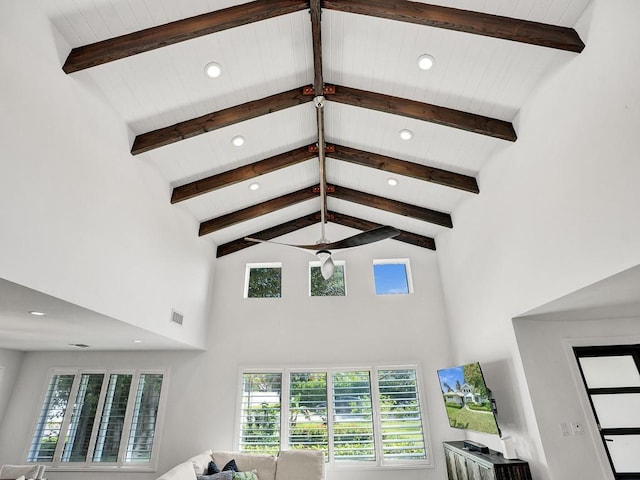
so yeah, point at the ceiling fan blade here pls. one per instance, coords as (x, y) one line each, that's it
(363, 238)
(301, 247)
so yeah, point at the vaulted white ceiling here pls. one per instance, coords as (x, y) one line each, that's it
(477, 74)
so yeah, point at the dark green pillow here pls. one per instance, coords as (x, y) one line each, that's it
(216, 476)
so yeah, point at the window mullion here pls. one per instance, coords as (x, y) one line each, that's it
(57, 455)
(330, 445)
(285, 401)
(377, 416)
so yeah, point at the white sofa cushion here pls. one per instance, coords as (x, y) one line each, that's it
(300, 465)
(265, 465)
(15, 471)
(182, 471)
(200, 462)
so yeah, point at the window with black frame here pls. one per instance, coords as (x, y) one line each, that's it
(611, 376)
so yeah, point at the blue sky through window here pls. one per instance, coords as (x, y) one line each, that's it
(390, 278)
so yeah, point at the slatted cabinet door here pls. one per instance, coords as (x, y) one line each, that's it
(476, 471)
(450, 458)
(463, 464)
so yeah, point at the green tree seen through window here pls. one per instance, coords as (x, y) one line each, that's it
(264, 282)
(334, 287)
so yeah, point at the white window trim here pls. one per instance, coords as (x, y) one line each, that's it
(316, 263)
(407, 265)
(247, 272)
(380, 463)
(60, 466)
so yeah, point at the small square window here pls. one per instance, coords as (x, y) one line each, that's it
(263, 280)
(392, 277)
(334, 287)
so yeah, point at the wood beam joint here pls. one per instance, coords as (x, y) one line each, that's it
(327, 148)
(328, 189)
(326, 90)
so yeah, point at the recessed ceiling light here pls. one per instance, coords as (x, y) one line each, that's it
(37, 314)
(406, 134)
(426, 61)
(137, 341)
(238, 140)
(213, 70)
(392, 182)
(254, 186)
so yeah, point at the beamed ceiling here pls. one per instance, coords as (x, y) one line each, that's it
(147, 59)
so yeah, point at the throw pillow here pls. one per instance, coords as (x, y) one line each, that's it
(245, 475)
(216, 476)
(212, 468)
(230, 466)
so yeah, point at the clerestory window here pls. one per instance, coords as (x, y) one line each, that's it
(98, 418)
(363, 416)
(334, 286)
(392, 277)
(263, 280)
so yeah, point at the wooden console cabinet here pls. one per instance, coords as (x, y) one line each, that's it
(463, 464)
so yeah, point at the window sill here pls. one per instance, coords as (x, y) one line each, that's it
(101, 468)
(364, 467)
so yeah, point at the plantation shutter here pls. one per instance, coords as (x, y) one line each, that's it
(260, 413)
(308, 411)
(112, 422)
(400, 417)
(45, 439)
(352, 417)
(143, 423)
(80, 428)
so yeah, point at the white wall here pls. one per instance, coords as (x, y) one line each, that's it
(556, 212)
(131, 255)
(10, 362)
(296, 330)
(557, 393)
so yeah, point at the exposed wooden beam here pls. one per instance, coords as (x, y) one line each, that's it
(223, 118)
(224, 179)
(393, 206)
(268, 234)
(316, 36)
(408, 169)
(425, 111)
(257, 210)
(505, 28)
(360, 224)
(189, 28)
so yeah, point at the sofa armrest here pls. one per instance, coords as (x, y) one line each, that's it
(182, 471)
(300, 465)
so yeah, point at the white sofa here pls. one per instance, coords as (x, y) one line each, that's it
(288, 465)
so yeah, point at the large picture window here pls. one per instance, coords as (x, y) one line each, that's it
(104, 418)
(369, 416)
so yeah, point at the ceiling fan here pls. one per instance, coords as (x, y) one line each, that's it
(323, 248)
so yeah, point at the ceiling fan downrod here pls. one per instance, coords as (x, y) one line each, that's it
(319, 103)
